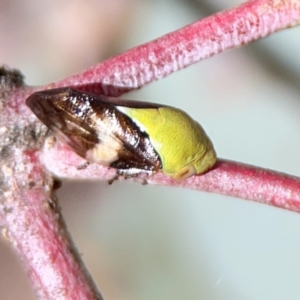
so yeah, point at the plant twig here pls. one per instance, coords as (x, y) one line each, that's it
(29, 213)
(227, 177)
(209, 36)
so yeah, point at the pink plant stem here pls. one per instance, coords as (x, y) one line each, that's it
(34, 226)
(179, 49)
(227, 178)
(246, 182)
(29, 214)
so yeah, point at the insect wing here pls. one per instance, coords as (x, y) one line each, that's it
(65, 117)
(96, 130)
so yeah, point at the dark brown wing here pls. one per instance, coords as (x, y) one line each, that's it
(95, 129)
(65, 117)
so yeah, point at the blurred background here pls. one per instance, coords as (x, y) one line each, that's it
(151, 242)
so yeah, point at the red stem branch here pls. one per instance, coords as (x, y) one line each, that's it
(227, 178)
(186, 46)
(35, 228)
(246, 182)
(29, 213)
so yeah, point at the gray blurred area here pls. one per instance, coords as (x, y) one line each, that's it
(150, 242)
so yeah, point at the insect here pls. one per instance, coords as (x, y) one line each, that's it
(131, 136)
